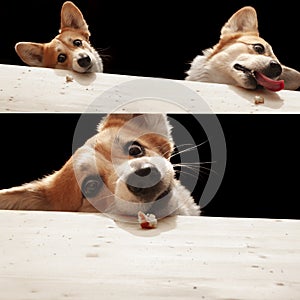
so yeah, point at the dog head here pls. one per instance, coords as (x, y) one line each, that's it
(243, 58)
(125, 168)
(70, 49)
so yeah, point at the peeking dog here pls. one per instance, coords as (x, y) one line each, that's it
(70, 49)
(123, 169)
(242, 58)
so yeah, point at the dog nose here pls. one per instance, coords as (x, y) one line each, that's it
(274, 69)
(141, 181)
(84, 62)
(144, 171)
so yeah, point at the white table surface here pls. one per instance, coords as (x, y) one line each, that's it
(60, 255)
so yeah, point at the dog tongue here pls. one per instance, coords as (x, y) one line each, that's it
(268, 83)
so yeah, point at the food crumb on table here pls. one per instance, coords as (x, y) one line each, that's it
(147, 221)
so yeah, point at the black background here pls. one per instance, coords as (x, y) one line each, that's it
(159, 39)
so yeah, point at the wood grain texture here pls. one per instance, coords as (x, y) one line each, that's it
(49, 255)
(32, 89)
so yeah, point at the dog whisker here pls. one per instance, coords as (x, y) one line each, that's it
(187, 173)
(102, 49)
(199, 174)
(105, 57)
(193, 173)
(197, 170)
(188, 149)
(197, 167)
(198, 163)
(182, 145)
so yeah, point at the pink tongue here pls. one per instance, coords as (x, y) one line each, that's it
(268, 83)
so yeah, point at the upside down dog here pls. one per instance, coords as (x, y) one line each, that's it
(123, 169)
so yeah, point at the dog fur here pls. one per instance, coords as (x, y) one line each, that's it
(123, 169)
(242, 58)
(70, 49)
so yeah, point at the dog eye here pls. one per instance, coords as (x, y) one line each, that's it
(259, 48)
(77, 43)
(91, 186)
(135, 149)
(61, 58)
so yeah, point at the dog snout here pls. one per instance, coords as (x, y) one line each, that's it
(142, 181)
(84, 62)
(274, 69)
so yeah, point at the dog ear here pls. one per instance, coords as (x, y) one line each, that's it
(72, 17)
(143, 123)
(58, 191)
(244, 20)
(31, 53)
(158, 123)
(291, 78)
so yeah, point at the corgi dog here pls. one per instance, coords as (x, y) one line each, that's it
(243, 58)
(123, 169)
(70, 49)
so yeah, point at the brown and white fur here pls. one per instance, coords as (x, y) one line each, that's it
(123, 169)
(70, 49)
(242, 58)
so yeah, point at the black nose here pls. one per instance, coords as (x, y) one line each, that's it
(141, 181)
(84, 62)
(274, 69)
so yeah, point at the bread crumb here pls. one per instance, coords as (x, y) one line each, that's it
(147, 221)
(69, 78)
(259, 100)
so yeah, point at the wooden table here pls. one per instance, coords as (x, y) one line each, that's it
(50, 255)
(30, 89)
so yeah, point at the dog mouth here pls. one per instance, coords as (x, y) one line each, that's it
(144, 195)
(164, 193)
(158, 205)
(261, 79)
